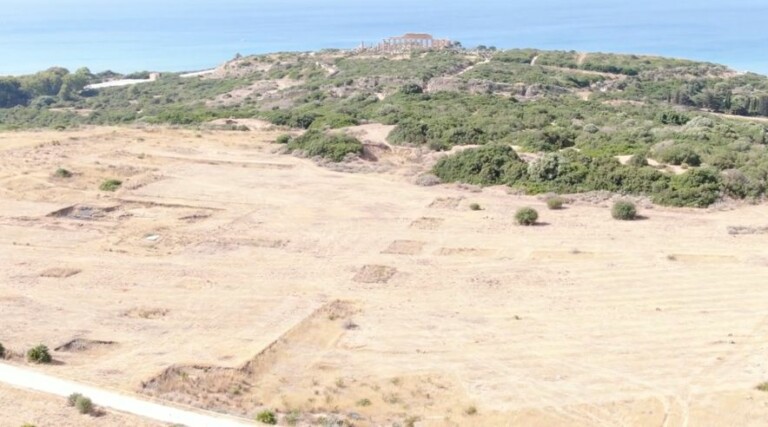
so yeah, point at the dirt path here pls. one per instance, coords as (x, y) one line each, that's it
(30, 380)
(472, 67)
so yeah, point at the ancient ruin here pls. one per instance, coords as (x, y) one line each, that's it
(410, 42)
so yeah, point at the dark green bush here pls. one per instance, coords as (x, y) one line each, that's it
(283, 139)
(331, 146)
(638, 161)
(110, 185)
(526, 216)
(474, 206)
(624, 210)
(695, 188)
(39, 354)
(487, 165)
(267, 417)
(62, 173)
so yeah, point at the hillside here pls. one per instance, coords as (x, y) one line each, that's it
(692, 132)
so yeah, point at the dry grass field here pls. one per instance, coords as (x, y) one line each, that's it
(226, 276)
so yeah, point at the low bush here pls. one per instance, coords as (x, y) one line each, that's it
(526, 216)
(331, 146)
(110, 185)
(678, 154)
(474, 206)
(624, 210)
(72, 398)
(638, 161)
(472, 410)
(555, 202)
(763, 387)
(364, 402)
(283, 139)
(62, 173)
(2, 351)
(83, 405)
(267, 417)
(39, 354)
(427, 180)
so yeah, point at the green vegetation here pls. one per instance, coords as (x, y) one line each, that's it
(555, 202)
(364, 402)
(110, 185)
(579, 110)
(526, 216)
(83, 405)
(763, 387)
(331, 146)
(39, 354)
(62, 173)
(267, 417)
(472, 410)
(72, 398)
(624, 210)
(474, 206)
(2, 351)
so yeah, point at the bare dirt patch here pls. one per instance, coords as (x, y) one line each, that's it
(446, 202)
(81, 345)
(60, 272)
(427, 223)
(146, 313)
(374, 274)
(404, 247)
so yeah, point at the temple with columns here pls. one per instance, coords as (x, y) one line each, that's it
(410, 42)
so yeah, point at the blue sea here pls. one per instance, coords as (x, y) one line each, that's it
(186, 35)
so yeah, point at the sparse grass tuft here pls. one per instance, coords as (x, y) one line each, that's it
(763, 387)
(526, 216)
(267, 417)
(364, 402)
(472, 410)
(39, 354)
(624, 211)
(110, 185)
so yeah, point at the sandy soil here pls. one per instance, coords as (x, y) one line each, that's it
(232, 278)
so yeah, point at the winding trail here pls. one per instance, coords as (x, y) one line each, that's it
(31, 380)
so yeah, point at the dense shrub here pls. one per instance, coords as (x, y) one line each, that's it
(2, 351)
(624, 210)
(555, 202)
(266, 417)
(39, 354)
(678, 154)
(83, 405)
(526, 216)
(487, 165)
(695, 188)
(474, 206)
(331, 146)
(283, 139)
(110, 185)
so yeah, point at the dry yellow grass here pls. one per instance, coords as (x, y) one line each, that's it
(218, 262)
